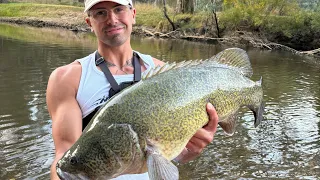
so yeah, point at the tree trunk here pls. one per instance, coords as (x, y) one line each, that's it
(179, 6)
(166, 15)
(185, 6)
(214, 17)
(156, 3)
(216, 22)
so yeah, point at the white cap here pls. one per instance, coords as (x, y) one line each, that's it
(89, 3)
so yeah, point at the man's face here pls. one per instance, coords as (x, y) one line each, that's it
(111, 22)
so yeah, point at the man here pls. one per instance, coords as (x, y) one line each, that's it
(77, 90)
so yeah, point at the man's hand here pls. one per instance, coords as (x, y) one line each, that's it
(201, 139)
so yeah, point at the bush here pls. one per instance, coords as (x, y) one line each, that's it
(286, 18)
(148, 15)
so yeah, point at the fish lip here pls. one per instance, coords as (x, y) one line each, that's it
(67, 176)
(60, 174)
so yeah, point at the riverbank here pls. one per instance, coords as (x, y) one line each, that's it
(72, 18)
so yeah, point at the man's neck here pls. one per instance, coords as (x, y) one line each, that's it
(117, 55)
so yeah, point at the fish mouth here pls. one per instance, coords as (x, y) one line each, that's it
(67, 176)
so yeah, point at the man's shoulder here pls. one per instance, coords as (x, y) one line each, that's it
(63, 83)
(157, 62)
(71, 69)
(69, 74)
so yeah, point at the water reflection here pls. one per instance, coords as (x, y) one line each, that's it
(285, 145)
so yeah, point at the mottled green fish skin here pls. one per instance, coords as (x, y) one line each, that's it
(167, 110)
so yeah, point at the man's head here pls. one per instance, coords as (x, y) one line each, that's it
(89, 3)
(111, 20)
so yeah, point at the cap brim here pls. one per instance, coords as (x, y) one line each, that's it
(92, 3)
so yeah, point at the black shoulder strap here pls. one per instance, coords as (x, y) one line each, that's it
(103, 65)
(137, 68)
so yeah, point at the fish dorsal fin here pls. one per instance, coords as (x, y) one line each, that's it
(235, 58)
(168, 66)
(159, 167)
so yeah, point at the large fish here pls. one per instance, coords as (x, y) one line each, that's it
(145, 126)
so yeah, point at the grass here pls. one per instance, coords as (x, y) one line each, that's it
(36, 10)
(147, 15)
(152, 16)
(61, 2)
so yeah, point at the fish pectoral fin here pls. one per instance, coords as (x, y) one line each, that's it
(229, 124)
(159, 168)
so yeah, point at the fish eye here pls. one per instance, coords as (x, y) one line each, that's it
(73, 160)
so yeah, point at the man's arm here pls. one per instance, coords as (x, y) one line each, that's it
(203, 136)
(64, 110)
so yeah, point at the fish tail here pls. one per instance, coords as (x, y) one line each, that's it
(258, 113)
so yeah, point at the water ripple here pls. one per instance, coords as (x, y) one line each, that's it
(285, 145)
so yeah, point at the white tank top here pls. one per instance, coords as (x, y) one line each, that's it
(93, 91)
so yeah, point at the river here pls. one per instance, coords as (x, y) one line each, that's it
(286, 145)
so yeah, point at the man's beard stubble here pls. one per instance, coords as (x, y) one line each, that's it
(116, 39)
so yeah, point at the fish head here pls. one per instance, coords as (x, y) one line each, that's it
(101, 154)
(88, 161)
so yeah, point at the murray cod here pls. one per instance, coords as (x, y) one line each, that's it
(145, 126)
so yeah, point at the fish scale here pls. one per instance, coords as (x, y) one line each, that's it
(145, 126)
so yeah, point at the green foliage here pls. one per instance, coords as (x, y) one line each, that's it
(209, 6)
(312, 5)
(61, 2)
(284, 24)
(269, 16)
(148, 15)
(152, 16)
(315, 22)
(190, 20)
(234, 18)
(36, 10)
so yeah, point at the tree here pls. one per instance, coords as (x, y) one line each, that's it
(214, 16)
(166, 15)
(185, 6)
